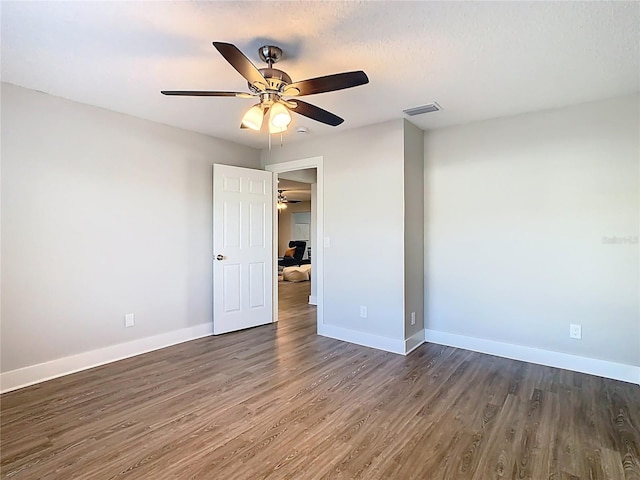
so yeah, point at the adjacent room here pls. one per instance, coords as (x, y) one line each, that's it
(320, 240)
(296, 285)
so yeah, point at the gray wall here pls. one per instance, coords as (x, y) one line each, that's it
(517, 209)
(413, 227)
(102, 214)
(363, 217)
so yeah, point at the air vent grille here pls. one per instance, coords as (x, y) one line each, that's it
(428, 108)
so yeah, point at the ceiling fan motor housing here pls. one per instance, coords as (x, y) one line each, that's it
(276, 79)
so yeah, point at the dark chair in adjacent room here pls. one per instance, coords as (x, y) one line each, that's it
(296, 258)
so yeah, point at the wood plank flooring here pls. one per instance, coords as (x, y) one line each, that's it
(279, 402)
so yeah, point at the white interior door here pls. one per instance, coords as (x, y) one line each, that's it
(242, 248)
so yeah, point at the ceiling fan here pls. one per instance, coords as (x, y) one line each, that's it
(270, 86)
(283, 200)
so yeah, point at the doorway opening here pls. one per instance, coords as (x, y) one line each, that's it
(298, 248)
(296, 228)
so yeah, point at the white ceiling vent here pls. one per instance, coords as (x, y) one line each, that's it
(428, 108)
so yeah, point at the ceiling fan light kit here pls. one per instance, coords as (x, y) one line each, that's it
(279, 116)
(254, 117)
(273, 129)
(271, 85)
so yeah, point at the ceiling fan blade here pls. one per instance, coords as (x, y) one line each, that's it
(195, 93)
(241, 63)
(316, 113)
(328, 83)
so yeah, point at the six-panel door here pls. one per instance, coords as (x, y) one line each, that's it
(242, 248)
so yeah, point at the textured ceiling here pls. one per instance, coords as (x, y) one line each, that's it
(477, 60)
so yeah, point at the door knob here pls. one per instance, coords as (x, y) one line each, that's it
(219, 257)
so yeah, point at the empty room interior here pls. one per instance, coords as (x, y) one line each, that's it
(320, 240)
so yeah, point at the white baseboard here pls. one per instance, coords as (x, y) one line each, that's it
(313, 300)
(402, 347)
(361, 338)
(23, 377)
(413, 342)
(592, 366)
(15, 379)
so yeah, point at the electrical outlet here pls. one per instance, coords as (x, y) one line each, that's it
(363, 311)
(413, 318)
(129, 320)
(575, 331)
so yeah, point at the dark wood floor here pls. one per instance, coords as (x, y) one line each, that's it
(279, 402)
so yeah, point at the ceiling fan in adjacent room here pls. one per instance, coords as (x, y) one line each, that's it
(283, 200)
(272, 87)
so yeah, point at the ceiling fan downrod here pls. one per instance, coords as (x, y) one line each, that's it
(270, 54)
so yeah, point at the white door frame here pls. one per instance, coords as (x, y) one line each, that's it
(317, 254)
